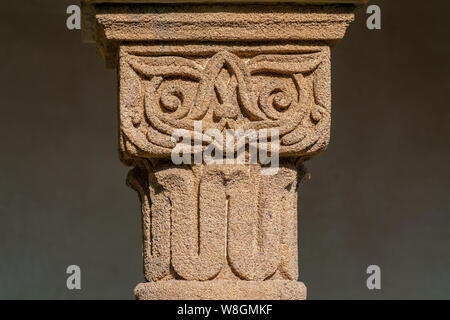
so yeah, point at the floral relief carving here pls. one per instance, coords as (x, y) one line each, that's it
(160, 94)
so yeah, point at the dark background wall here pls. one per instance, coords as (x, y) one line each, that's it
(378, 195)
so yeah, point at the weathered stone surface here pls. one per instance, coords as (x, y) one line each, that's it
(221, 290)
(206, 222)
(219, 231)
(263, 86)
(110, 23)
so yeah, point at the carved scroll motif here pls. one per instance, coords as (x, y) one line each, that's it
(160, 94)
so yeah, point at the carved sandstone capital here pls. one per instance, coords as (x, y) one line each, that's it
(219, 229)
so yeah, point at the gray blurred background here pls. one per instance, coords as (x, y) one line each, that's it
(378, 195)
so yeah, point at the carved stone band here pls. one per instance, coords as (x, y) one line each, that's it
(285, 87)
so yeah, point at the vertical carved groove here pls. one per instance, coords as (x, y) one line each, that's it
(186, 259)
(155, 222)
(195, 223)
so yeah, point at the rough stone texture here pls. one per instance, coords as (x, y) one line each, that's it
(221, 290)
(206, 222)
(221, 231)
(112, 24)
(90, 7)
(270, 86)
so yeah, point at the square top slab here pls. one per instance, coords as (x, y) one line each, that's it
(89, 11)
(111, 22)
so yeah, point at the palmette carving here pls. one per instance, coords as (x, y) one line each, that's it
(200, 221)
(159, 94)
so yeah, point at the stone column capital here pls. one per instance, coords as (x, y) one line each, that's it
(198, 70)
